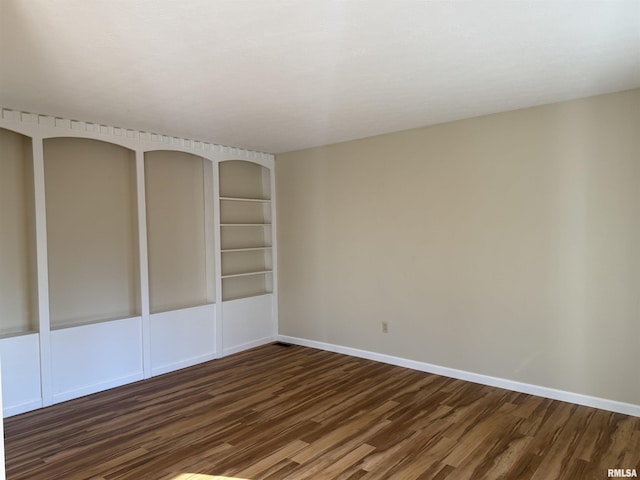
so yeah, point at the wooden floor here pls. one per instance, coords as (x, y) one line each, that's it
(299, 413)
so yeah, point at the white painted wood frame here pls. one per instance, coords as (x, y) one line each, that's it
(41, 368)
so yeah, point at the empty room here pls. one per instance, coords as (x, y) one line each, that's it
(319, 239)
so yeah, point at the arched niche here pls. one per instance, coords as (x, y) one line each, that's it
(244, 179)
(18, 290)
(178, 192)
(92, 237)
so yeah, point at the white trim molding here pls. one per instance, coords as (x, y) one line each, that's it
(96, 387)
(540, 391)
(248, 345)
(44, 126)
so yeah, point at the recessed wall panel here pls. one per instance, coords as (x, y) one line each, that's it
(175, 185)
(91, 231)
(18, 301)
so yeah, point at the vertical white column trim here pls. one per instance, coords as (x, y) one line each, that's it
(211, 242)
(274, 250)
(44, 323)
(209, 228)
(143, 265)
(218, 257)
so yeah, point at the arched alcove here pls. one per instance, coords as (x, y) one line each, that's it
(90, 191)
(177, 185)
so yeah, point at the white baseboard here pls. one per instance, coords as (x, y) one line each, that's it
(22, 408)
(552, 393)
(246, 346)
(95, 388)
(162, 369)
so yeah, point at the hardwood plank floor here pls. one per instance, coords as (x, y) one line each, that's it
(299, 413)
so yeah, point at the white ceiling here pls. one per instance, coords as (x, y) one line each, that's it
(279, 75)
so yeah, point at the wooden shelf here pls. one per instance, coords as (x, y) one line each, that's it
(96, 321)
(247, 249)
(245, 224)
(244, 199)
(247, 286)
(248, 295)
(16, 333)
(247, 274)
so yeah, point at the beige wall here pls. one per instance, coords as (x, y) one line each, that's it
(91, 230)
(174, 188)
(18, 299)
(506, 245)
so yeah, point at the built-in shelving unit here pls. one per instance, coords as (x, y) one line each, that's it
(126, 254)
(245, 216)
(247, 253)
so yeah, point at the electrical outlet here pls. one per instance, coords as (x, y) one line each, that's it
(385, 327)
